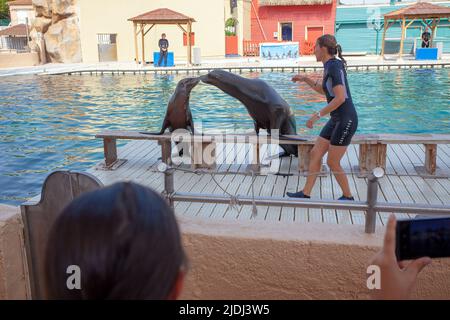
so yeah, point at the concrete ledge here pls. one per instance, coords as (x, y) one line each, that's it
(13, 274)
(12, 60)
(253, 260)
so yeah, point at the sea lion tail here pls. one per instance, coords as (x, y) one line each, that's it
(291, 138)
(151, 133)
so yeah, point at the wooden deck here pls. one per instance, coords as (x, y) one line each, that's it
(402, 184)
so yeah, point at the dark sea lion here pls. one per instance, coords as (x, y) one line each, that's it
(267, 108)
(178, 114)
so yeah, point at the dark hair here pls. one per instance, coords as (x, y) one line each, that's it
(125, 240)
(330, 42)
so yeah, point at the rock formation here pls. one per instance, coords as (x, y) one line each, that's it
(55, 30)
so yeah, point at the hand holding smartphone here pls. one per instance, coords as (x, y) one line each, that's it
(429, 237)
(398, 277)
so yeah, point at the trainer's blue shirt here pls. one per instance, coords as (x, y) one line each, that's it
(334, 74)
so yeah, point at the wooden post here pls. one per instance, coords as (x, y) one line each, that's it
(430, 158)
(385, 27)
(136, 51)
(371, 156)
(433, 32)
(256, 154)
(255, 165)
(409, 24)
(402, 38)
(110, 151)
(166, 151)
(381, 155)
(143, 44)
(364, 158)
(189, 56)
(203, 155)
(304, 154)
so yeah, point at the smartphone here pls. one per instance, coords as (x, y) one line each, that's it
(423, 237)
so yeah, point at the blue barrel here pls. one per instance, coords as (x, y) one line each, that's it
(170, 60)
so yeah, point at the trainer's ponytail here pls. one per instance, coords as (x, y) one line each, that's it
(339, 53)
(333, 48)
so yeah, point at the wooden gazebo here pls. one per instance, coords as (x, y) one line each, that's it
(145, 22)
(430, 14)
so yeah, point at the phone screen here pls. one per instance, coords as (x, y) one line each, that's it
(423, 238)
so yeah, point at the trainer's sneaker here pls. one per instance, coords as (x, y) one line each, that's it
(347, 198)
(299, 194)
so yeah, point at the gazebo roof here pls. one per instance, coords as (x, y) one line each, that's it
(20, 3)
(162, 16)
(19, 30)
(420, 10)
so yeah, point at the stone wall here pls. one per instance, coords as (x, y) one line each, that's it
(15, 60)
(231, 260)
(55, 31)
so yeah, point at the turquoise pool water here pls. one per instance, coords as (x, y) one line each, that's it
(49, 122)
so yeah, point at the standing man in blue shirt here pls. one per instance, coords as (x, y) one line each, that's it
(426, 38)
(163, 50)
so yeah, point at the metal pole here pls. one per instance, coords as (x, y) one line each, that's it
(28, 34)
(169, 188)
(372, 197)
(412, 208)
(376, 45)
(371, 207)
(271, 201)
(421, 209)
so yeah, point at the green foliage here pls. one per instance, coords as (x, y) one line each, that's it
(231, 22)
(230, 27)
(4, 10)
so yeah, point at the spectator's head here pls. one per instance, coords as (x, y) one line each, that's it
(126, 242)
(326, 46)
(163, 36)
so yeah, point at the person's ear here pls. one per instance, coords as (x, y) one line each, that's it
(177, 287)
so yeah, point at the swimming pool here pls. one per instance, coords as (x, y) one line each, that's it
(49, 122)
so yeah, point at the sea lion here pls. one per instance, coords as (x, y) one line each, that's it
(267, 108)
(178, 114)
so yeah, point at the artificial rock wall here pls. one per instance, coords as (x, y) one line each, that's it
(55, 31)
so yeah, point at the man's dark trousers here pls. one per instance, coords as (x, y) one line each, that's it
(162, 55)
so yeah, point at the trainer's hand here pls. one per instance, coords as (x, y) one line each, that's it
(397, 278)
(311, 121)
(299, 78)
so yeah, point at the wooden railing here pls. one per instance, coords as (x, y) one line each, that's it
(251, 48)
